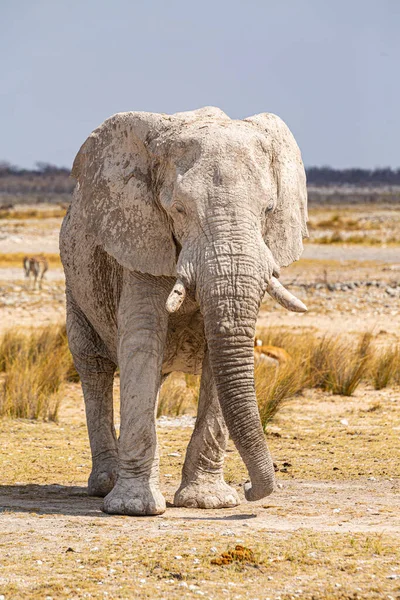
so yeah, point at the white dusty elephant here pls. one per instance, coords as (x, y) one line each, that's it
(178, 226)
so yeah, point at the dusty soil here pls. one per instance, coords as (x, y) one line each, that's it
(331, 529)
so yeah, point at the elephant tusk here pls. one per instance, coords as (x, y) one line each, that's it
(284, 297)
(176, 297)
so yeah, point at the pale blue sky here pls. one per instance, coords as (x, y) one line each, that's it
(329, 68)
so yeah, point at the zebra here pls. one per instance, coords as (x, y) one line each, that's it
(35, 266)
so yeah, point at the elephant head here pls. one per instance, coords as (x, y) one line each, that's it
(220, 205)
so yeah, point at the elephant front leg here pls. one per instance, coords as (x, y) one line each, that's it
(96, 373)
(98, 394)
(142, 324)
(203, 484)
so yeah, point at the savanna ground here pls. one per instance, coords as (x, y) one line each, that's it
(332, 528)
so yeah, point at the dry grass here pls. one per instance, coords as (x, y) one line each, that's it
(33, 213)
(337, 221)
(276, 385)
(179, 395)
(34, 367)
(14, 259)
(386, 367)
(338, 238)
(332, 364)
(339, 366)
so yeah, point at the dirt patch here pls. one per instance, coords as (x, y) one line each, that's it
(333, 523)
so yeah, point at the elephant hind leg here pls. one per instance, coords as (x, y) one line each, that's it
(203, 484)
(96, 372)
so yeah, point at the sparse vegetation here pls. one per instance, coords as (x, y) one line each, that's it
(386, 367)
(32, 213)
(275, 385)
(339, 366)
(34, 367)
(179, 395)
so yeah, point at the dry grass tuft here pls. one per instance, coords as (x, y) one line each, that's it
(338, 366)
(34, 367)
(179, 395)
(275, 385)
(386, 367)
(333, 364)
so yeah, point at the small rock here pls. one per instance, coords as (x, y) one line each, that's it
(391, 292)
(344, 422)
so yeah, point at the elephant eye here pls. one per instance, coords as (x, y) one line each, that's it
(269, 207)
(179, 208)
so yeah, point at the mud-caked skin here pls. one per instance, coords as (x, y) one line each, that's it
(196, 213)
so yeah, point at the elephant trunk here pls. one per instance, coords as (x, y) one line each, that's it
(229, 320)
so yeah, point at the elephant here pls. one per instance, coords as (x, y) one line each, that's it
(177, 227)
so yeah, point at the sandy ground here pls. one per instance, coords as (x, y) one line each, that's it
(333, 524)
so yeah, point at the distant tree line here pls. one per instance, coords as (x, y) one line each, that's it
(47, 178)
(44, 179)
(325, 176)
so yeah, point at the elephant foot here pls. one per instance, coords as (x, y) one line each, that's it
(206, 494)
(134, 497)
(102, 479)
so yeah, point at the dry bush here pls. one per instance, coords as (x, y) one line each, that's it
(179, 395)
(34, 365)
(386, 367)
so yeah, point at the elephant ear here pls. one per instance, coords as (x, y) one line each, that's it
(116, 194)
(286, 226)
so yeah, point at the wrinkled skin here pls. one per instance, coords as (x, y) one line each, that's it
(213, 207)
